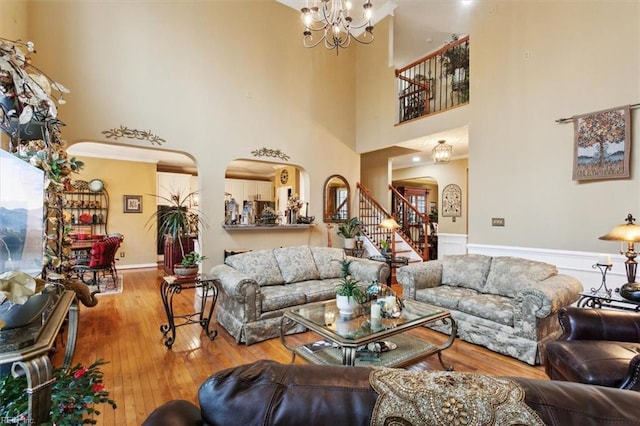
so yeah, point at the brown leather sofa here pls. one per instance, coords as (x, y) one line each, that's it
(268, 393)
(597, 347)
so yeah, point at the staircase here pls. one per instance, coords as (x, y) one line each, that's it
(371, 213)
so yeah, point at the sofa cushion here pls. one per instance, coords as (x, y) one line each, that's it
(510, 274)
(260, 265)
(296, 264)
(317, 291)
(489, 306)
(279, 297)
(466, 270)
(445, 296)
(327, 261)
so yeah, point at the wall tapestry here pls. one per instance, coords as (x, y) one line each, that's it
(451, 201)
(602, 143)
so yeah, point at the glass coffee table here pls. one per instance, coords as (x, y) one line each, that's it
(349, 340)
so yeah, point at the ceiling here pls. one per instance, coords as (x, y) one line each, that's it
(419, 27)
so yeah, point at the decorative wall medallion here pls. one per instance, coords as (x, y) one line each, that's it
(265, 152)
(125, 132)
(452, 201)
(284, 176)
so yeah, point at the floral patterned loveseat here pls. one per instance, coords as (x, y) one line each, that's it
(506, 304)
(257, 287)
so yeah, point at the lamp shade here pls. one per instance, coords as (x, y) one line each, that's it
(628, 232)
(389, 223)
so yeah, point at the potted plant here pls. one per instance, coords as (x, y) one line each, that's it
(349, 293)
(178, 221)
(188, 266)
(349, 230)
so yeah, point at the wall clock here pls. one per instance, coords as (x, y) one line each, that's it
(284, 176)
(96, 185)
(452, 201)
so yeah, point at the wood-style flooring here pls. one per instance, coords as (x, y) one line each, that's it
(124, 329)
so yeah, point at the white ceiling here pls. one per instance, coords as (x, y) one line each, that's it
(419, 27)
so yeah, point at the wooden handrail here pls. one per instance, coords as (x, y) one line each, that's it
(434, 54)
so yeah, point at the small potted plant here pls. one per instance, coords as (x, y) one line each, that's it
(188, 267)
(349, 293)
(349, 230)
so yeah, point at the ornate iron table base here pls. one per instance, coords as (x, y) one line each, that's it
(169, 288)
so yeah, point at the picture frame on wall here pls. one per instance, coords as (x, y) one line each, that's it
(132, 203)
(602, 142)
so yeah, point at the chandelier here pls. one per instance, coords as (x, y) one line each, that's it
(442, 152)
(333, 21)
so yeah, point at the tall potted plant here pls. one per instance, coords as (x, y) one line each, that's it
(349, 230)
(179, 222)
(349, 293)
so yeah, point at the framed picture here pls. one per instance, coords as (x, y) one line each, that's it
(132, 203)
(602, 142)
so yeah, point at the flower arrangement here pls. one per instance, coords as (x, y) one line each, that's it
(294, 203)
(74, 394)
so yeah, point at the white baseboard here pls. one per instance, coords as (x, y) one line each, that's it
(138, 266)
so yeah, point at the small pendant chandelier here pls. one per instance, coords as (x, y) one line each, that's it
(334, 22)
(442, 152)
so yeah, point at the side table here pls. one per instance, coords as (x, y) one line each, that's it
(612, 300)
(169, 288)
(393, 262)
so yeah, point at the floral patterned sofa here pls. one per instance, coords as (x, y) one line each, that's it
(257, 287)
(506, 304)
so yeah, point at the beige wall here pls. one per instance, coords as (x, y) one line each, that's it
(127, 178)
(203, 76)
(583, 57)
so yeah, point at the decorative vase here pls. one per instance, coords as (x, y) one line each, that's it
(631, 291)
(346, 304)
(349, 243)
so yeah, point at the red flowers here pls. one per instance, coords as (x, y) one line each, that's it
(97, 387)
(79, 373)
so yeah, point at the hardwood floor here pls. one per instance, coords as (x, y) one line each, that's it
(124, 329)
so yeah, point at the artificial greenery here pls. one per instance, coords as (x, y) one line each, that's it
(192, 259)
(74, 396)
(350, 228)
(347, 286)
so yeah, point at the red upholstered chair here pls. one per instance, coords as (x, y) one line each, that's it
(597, 347)
(102, 262)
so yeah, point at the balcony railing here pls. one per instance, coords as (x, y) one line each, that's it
(435, 83)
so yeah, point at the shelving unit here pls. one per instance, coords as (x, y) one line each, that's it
(88, 210)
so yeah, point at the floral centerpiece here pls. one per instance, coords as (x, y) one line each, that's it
(294, 204)
(74, 395)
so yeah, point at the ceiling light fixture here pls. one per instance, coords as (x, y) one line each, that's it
(334, 21)
(442, 152)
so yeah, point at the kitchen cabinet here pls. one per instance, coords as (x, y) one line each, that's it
(249, 190)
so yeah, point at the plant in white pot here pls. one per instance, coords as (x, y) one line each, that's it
(349, 230)
(349, 293)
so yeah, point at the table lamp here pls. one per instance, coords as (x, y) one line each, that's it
(629, 233)
(390, 225)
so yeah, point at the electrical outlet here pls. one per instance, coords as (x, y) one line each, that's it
(497, 221)
(121, 254)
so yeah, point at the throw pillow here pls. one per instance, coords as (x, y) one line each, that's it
(296, 264)
(97, 254)
(261, 265)
(509, 274)
(327, 261)
(466, 270)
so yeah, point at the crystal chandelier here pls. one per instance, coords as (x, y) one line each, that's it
(334, 22)
(442, 152)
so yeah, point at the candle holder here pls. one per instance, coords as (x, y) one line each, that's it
(603, 285)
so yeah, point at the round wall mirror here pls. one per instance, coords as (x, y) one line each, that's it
(336, 199)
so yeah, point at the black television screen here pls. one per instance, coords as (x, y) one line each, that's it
(21, 215)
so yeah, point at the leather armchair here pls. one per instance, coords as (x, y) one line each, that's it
(598, 347)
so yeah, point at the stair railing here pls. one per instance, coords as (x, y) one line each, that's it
(413, 223)
(371, 213)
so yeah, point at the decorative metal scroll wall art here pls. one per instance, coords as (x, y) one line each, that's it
(266, 152)
(452, 201)
(125, 132)
(602, 143)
